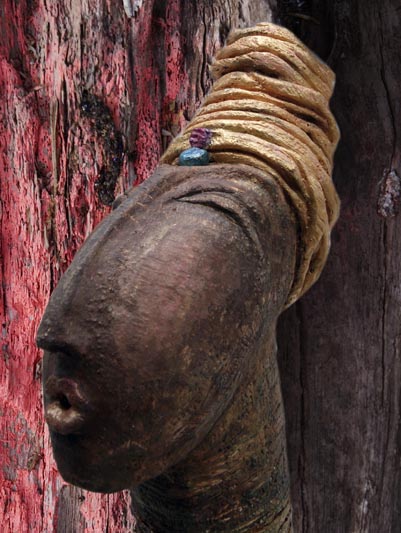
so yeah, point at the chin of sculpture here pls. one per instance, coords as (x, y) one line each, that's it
(160, 371)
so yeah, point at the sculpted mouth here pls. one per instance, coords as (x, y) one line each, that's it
(67, 410)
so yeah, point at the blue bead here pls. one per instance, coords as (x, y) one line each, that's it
(194, 157)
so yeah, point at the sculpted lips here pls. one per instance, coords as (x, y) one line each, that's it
(66, 408)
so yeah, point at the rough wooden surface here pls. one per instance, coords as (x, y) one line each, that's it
(340, 344)
(90, 93)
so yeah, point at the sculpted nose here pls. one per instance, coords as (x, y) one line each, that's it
(51, 331)
(61, 331)
(61, 321)
(67, 409)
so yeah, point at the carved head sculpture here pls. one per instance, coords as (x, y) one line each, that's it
(159, 367)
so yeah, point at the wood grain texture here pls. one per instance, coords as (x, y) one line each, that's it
(340, 345)
(75, 77)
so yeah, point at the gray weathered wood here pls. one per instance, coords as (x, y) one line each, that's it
(340, 344)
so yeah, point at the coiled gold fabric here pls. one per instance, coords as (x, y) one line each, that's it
(269, 108)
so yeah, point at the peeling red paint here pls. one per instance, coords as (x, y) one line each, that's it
(161, 94)
(48, 166)
(50, 159)
(177, 81)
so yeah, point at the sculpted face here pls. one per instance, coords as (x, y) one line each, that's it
(153, 326)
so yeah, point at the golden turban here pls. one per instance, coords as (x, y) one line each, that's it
(269, 108)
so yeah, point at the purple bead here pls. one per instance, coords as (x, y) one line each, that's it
(200, 138)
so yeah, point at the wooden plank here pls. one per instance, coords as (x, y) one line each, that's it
(340, 344)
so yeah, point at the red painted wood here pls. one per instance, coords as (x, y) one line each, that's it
(164, 83)
(148, 73)
(49, 163)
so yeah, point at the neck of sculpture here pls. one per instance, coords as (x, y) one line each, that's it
(236, 480)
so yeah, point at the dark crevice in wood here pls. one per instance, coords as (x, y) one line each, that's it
(311, 20)
(302, 457)
(110, 139)
(295, 15)
(204, 65)
(383, 313)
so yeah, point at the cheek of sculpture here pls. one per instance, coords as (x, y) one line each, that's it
(162, 318)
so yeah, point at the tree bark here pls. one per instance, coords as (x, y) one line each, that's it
(340, 345)
(90, 95)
